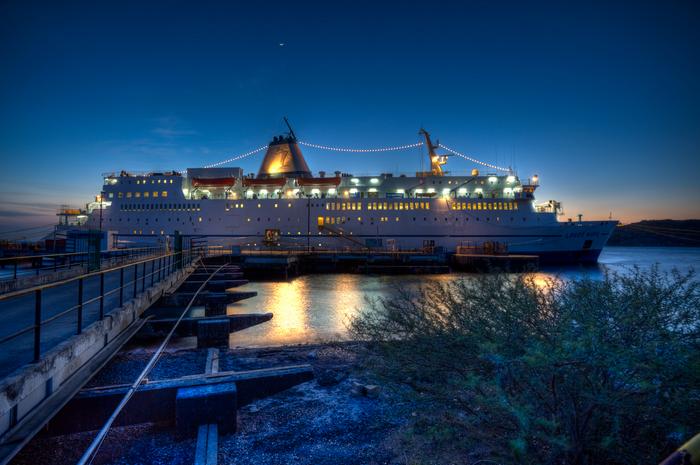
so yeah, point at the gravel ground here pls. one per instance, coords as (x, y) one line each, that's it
(319, 422)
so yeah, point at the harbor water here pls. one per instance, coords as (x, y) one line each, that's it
(317, 308)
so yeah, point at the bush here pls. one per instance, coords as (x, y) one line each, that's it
(544, 371)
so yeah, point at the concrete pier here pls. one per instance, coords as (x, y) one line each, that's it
(62, 370)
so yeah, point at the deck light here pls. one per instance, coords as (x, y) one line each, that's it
(493, 179)
(355, 181)
(374, 181)
(510, 179)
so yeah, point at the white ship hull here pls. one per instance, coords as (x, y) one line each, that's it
(295, 223)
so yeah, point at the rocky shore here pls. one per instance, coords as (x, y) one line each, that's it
(341, 417)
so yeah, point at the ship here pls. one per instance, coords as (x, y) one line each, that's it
(286, 206)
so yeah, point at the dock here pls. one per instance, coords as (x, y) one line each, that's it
(78, 324)
(478, 262)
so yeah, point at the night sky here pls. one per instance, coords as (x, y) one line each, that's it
(602, 100)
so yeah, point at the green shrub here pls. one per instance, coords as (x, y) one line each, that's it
(523, 369)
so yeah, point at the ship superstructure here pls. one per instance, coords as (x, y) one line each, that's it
(287, 205)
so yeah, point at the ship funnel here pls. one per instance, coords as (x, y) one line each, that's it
(284, 159)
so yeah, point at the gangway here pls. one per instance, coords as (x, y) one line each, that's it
(337, 232)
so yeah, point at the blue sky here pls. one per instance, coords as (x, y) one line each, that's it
(601, 99)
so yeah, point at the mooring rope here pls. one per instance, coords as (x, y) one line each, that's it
(89, 454)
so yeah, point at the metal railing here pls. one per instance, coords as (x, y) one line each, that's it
(34, 265)
(90, 297)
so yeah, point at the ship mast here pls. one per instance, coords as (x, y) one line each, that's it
(436, 161)
(291, 131)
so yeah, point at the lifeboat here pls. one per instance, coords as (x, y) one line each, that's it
(213, 182)
(335, 181)
(272, 182)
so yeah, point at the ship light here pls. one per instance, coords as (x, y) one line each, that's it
(289, 193)
(372, 189)
(462, 191)
(510, 179)
(332, 191)
(249, 193)
(431, 190)
(446, 192)
(355, 181)
(263, 191)
(418, 191)
(345, 193)
(535, 178)
(295, 191)
(507, 191)
(315, 191)
(374, 181)
(493, 179)
(401, 191)
(353, 191)
(478, 190)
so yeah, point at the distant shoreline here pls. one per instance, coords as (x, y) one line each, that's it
(657, 233)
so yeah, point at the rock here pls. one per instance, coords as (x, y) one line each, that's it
(357, 389)
(330, 377)
(372, 390)
(365, 390)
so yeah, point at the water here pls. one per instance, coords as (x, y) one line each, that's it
(316, 308)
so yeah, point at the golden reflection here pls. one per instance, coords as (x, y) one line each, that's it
(288, 303)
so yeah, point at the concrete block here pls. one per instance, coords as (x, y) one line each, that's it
(203, 405)
(213, 332)
(215, 307)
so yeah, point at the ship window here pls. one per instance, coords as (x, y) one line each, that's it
(137, 194)
(155, 194)
(146, 194)
(164, 194)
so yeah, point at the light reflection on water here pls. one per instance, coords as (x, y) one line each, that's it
(316, 308)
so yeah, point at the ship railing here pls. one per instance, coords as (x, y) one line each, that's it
(311, 250)
(37, 319)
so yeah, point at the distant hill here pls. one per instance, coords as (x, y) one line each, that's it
(658, 233)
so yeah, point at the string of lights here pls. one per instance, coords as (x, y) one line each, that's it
(354, 150)
(454, 152)
(237, 157)
(343, 149)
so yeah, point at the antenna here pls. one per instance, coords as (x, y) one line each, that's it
(291, 131)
